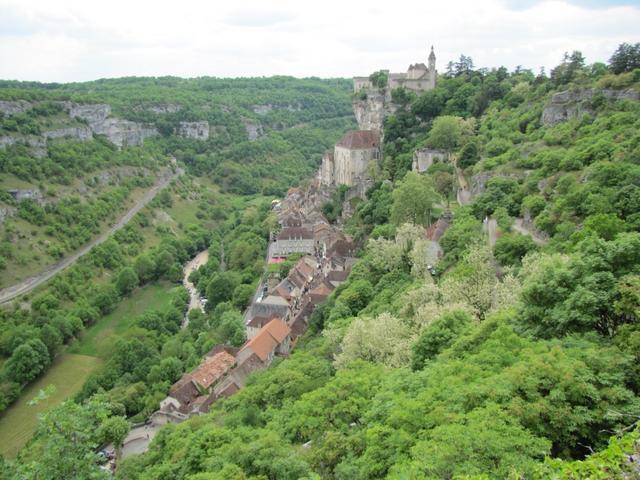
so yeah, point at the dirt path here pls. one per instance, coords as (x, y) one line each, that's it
(519, 227)
(490, 226)
(463, 195)
(9, 293)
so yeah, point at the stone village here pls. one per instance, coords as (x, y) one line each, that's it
(280, 312)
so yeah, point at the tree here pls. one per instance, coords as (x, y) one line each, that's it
(126, 281)
(145, 268)
(379, 79)
(625, 59)
(66, 443)
(439, 335)
(221, 287)
(242, 295)
(446, 133)
(413, 200)
(114, 430)
(28, 361)
(232, 328)
(510, 248)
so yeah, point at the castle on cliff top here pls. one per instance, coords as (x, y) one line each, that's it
(419, 78)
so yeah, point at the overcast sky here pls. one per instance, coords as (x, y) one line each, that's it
(74, 40)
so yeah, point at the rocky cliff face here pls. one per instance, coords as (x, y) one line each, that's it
(571, 104)
(13, 107)
(371, 111)
(197, 130)
(82, 134)
(267, 108)
(119, 132)
(254, 130)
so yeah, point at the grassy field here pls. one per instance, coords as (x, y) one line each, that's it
(98, 339)
(68, 373)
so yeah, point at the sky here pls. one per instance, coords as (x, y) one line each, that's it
(78, 40)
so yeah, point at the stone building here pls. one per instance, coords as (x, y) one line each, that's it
(293, 240)
(418, 77)
(352, 155)
(423, 158)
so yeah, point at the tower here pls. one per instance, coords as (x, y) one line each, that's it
(432, 69)
(432, 60)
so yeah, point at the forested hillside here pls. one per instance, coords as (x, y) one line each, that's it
(506, 358)
(514, 354)
(60, 190)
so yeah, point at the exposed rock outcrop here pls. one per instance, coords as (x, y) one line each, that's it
(78, 133)
(267, 108)
(119, 132)
(371, 111)
(571, 104)
(22, 195)
(7, 141)
(161, 108)
(12, 107)
(6, 212)
(254, 130)
(197, 130)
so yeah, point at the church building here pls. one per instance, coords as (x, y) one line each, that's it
(418, 78)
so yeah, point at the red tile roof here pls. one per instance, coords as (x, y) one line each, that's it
(268, 339)
(213, 368)
(360, 139)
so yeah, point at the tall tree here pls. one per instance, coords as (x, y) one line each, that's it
(413, 200)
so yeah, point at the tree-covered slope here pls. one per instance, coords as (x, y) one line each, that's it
(467, 374)
(515, 357)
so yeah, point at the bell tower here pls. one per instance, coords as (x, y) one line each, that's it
(432, 70)
(432, 60)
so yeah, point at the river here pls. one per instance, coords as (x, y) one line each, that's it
(195, 301)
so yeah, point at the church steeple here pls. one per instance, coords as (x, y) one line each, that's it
(432, 60)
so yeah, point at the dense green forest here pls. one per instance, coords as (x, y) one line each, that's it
(219, 204)
(514, 360)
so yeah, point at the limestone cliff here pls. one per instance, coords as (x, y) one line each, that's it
(13, 107)
(268, 108)
(571, 104)
(77, 133)
(254, 130)
(119, 132)
(371, 110)
(196, 130)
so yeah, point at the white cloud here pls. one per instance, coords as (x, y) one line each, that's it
(67, 40)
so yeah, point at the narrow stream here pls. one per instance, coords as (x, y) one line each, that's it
(195, 302)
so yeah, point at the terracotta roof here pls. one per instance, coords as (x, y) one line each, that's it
(294, 233)
(213, 368)
(360, 139)
(268, 339)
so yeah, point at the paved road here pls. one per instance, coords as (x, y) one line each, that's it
(9, 293)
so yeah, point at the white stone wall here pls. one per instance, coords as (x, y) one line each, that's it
(326, 170)
(352, 165)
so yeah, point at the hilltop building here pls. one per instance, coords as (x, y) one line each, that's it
(418, 78)
(348, 164)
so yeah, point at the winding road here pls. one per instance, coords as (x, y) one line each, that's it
(27, 285)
